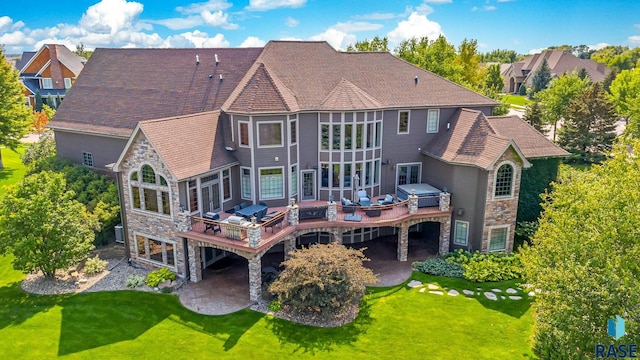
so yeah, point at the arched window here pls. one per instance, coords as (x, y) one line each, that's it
(150, 194)
(504, 180)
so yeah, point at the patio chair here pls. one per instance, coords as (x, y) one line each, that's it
(208, 226)
(347, 206)
(363, 198)
(243, 205)
(387, 200)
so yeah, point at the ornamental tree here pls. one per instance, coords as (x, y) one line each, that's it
(42, 226)
(326, 280)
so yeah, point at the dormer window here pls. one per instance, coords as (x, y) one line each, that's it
(47, 83)
(67, 83)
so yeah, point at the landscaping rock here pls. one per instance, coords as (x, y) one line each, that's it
(423, 289)
(491, 296)
(166, 284)
(414, 284)
(512, 297)
(468, 292)
(502, 297)
(512, 291)
(437, 292)
(496, 290)
(432, 286)
(531, 293)
(453, 292)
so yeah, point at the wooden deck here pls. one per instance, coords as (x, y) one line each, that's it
(235, 237)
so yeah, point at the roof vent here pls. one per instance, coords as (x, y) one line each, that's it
(220, 77)
(415, 80)
(197, 60)
(216, 57)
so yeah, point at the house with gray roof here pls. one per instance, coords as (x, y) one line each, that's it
(560, 62)
(251, 150)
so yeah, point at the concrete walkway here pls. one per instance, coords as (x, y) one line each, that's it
(227, 290)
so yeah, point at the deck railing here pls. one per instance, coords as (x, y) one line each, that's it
(219, 228)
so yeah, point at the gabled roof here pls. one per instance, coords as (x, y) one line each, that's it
(347, 96)
(531, 142)
(471, 141)
(56, 54)
(561, 62)
(26, 57)
(189, 145)
(120, 87)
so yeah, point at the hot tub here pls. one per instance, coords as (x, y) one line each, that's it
(428, 195)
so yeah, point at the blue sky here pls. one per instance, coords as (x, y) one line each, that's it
(521, 25)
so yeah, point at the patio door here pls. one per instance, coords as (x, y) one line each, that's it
(211, 197)
(408, 174)
(308, 185)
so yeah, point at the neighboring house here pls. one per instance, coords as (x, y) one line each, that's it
(51, 71)
(193, 131)
(560, 62)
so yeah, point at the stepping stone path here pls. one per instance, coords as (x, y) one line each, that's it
(512, 291)
(531, 293)
(491, 296)
(432, 286)
(437, 292)
(512, 297)
(422, 290)
(502, 297)
(414, 284)
(453, 292)
(496, 290)
(468, 292)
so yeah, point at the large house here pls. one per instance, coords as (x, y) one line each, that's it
(302, 129)
(559, 61)
(50, 71)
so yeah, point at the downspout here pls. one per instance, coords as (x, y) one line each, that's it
(123, 216)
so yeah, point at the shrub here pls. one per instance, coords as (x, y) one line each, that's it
(325, 280)
(157, 276)
(275, 306)
(94, 265)
(134, 281)
(440, 267)
(479, 267)
(522, 90)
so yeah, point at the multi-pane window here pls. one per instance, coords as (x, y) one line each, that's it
(244, 133)
(293, 132)
(87, 159)
(152, 193)
(498, 238)
(336, 137)
(270, 134)
(294, 180)
(324, 137)
(403, 122)
(348, 129)
(324, 169)
(47, 83)
(226, 184)
(408, 174)
(245, 183)
(504, 180)
(359, 135)
(67, 83)
(433, 117)
(271, 183)
(461, 233)
(156, 251)
(193, 196)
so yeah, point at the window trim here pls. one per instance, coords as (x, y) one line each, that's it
(506, 237)
(400, 112)
(466, 237)
(513, 180)
(86, 158)
(437, 120)
(260, 182)
(279, 122)
(154, 262)
(240, 123)
(250, 183)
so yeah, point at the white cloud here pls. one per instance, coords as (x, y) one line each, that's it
(598, 46)
(179, 23)
(474, 9)
(439, 1)
(637, 26)
(291, 22)
(422, 9)
(375, 16)
(536, 51)
(634, 41)
(110, 16)
(350, 26)
(218, 19)
(504, 1)
(263, 5)
(336, 38)
(252, 41)
(200, 39)
(7, 24)
(211, 5)
(415, 26)
(489, 8)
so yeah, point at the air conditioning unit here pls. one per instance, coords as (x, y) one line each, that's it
(119, 233)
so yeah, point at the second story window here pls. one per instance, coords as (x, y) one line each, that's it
(151, 193)
(244, 133)
(403, 122)
(270, 134)
(47, 83)
(504, 180)
(67, 83)
(433, 118)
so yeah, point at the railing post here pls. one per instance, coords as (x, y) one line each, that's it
(293, 212)
(413, 202)
(332, 211)
(445, 201)
(254, 233)
(183, 222)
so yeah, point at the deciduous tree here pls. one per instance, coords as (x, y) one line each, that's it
(557, 97)
(625, 94)
(375, 44)
(43, 227)
(15, 116)
(584, 258)
(493, 80)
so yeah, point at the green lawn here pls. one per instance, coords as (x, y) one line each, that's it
(395, 323)
(13, 169)
(517, 100)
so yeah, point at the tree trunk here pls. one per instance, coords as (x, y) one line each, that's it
(1, 164)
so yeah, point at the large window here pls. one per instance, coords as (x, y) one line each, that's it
(433, 118)
(271, 183)
(336, 176)
(156, 251)
(293, 132)
(226, 184)
(336, 137)
(324, 168)
(270, 134)
(47, 83)
(193, 196)
(403, 122)
(408, 174)
(244, 133)
(359, 135)
(498, 238)
(348, 135)
(324, 137)
(504, 180)
(246, 183)
(294, 180)
(150, 194)
(462, 233)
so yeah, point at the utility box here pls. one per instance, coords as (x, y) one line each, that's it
(119, 233)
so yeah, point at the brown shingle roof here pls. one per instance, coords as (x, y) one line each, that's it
(529, 140)
(259, 92)
(189, 145)
(346, 96)
(120, 87)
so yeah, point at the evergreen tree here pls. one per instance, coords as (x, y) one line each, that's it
(51, 102)
(589, 127)
(557, 97)
(522, 90)
(542, 77)
(58, 101)
(39, 102)
(583, 74)
(534, 115)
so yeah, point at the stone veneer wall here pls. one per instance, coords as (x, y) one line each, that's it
(502, 211)
(154, 225)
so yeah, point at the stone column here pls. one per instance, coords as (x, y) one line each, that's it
(332, 211)
(445, 201)
(292, 212)
(289, 246)
(255, 278)
(445, 232)
(254, 233)
(413, 202)
(183, 222)
(336, 234)
(195, 270)
(403, 242)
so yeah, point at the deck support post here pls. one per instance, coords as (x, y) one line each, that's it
(255, 278)
(403, 242)
(445, 232)
(195, 269)
(289, 246)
